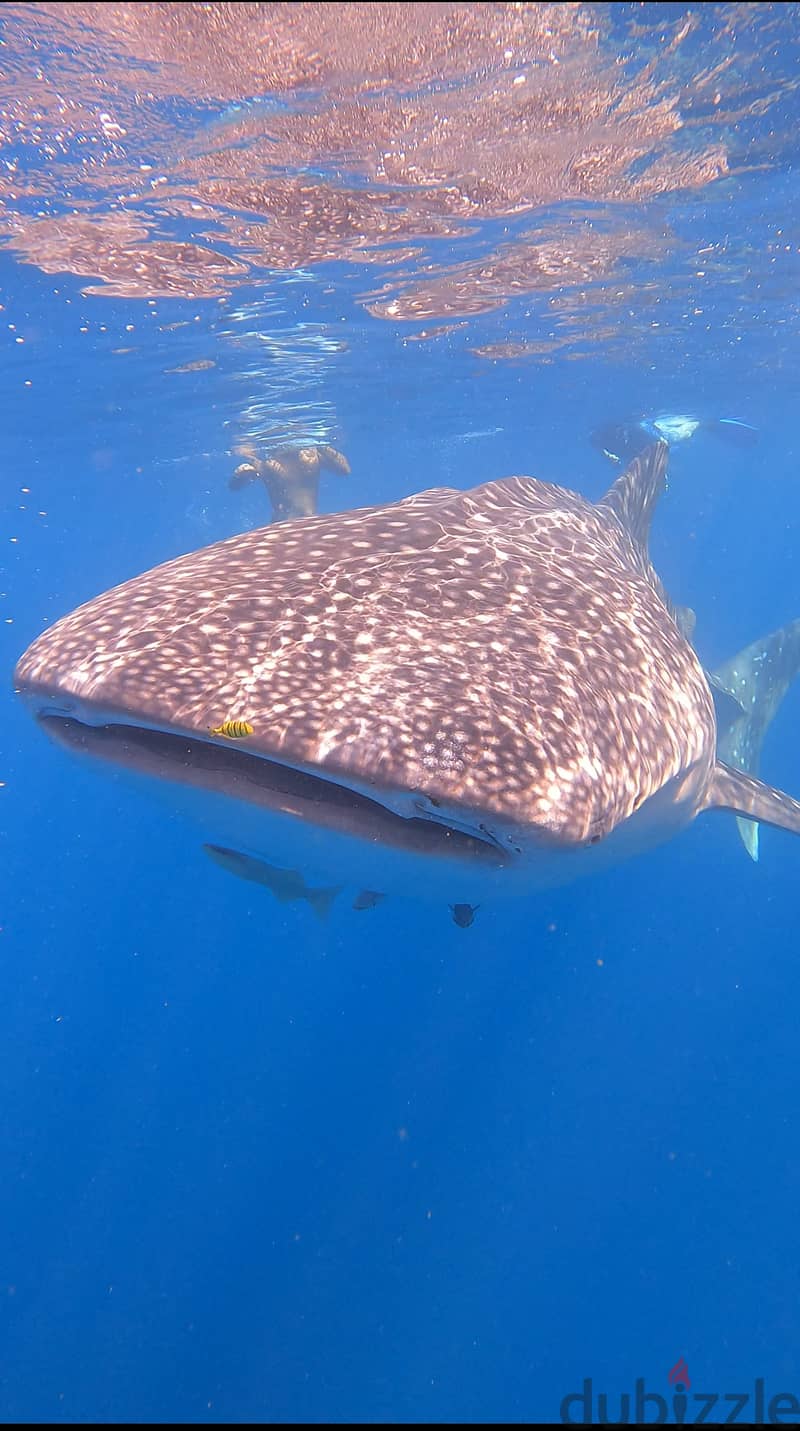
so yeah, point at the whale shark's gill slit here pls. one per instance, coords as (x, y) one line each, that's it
(260, 781)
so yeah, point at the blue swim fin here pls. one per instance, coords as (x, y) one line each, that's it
(733, 429)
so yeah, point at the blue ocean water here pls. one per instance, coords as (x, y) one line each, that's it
(260, 1166)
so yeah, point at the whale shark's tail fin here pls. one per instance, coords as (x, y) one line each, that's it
(752, 686)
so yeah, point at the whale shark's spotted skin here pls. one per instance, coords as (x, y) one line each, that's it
(504, 656)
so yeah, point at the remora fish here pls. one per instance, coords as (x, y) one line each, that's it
(286, 885)
(460, 695)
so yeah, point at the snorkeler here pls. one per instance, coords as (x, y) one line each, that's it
(291, 476)
(622, 441)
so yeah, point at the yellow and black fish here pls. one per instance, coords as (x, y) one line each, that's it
(232, 729)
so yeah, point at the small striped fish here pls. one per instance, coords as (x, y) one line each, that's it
(232, 729)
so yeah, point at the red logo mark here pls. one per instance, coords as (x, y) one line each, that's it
(680, 1373)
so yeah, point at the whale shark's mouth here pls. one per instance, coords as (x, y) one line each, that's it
(275, 787)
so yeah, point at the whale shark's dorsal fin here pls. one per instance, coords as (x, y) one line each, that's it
(632, 500)
(731, 789)
(634, 495)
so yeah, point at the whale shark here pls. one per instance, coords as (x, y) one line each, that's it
(460, 695)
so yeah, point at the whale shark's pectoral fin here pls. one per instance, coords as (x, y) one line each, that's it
(750, 798)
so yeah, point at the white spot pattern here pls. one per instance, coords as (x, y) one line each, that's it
(508, 649)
